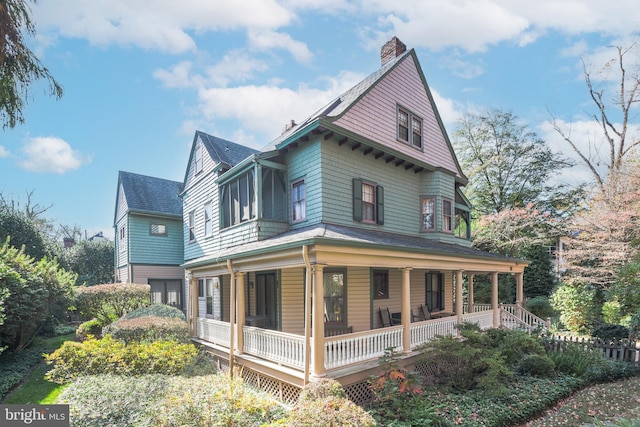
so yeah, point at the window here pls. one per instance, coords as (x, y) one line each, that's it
(335, 308)
(409, 121)
(158, 229)
(210, 298)
(428, 214)
(380, 284)
(298, 201)
(435, 292)
(122, 233)
(207, 219)
(197, 158)
(238, 201)
(192, 227)
(446, 216)
(368, 202)
(463, 224)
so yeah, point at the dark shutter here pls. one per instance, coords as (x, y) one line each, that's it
(357, 199)
(379, 205)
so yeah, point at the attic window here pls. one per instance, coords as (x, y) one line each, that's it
(409, 128)
(158, 229)
(197, 159)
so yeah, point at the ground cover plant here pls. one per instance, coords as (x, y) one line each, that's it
(494, 378)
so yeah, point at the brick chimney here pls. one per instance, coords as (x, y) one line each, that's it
(392, 49)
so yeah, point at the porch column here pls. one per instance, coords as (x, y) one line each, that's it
(494, 299)
(519, 294)
(470, 301)
(193, 302)
(240, 311)
(317, 326)
(406, 310)
(459, 296)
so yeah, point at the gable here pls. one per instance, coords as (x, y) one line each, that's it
(210, 152)
(374, 115)
(147, 194)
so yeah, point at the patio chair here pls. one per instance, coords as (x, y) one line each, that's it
(424, 310)
(385, 317)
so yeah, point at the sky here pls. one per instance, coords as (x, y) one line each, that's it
(140, 77)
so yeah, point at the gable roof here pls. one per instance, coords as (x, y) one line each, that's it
(327, 116)
(150, 195)
(223, 151)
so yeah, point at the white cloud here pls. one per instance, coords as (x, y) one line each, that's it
(51, 154)
(162, 25)
(268, 40)
(4, 152)
(473, 25)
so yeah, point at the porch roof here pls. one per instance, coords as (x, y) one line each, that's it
(340, 235)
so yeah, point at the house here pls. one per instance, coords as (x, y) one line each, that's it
(149, 236)
(347, 235)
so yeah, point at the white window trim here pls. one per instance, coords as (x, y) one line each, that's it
(302, 201)
(411, 118)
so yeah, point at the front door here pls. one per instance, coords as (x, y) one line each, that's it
(267, 299)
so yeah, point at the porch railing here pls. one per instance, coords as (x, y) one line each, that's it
(214, 331)
(276, 346)
(526, 317)
(422, 332)
(484, 319)
(342, 350)
(477, 308)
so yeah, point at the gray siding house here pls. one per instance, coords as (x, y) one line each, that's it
(347, 235)
(149, 236)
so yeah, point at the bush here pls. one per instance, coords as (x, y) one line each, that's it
(610, 332)
(110, 356)
(159, 310)
(536, 365)
(329, 411)
(160, 400)
(321, 388)
(540, 306)
(91, 327)
(148, 329)
(576, 302)
(109, 302)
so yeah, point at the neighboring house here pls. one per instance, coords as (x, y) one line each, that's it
(294, 253)
(148, 236)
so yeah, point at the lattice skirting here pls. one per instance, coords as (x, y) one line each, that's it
(359, 393)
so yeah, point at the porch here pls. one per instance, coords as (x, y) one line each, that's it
(349, 350)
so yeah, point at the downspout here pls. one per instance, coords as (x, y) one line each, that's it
(307, 313)
(232, 315)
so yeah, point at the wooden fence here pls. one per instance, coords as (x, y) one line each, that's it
(623, 350)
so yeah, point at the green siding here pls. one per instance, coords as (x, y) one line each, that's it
(157, 250)
(305, 162)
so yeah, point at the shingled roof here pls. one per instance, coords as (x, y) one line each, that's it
(146, 194)
(224, 151)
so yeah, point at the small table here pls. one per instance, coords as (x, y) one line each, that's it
(441, 314)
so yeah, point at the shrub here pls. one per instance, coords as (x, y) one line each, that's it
(540, 306)
(576, 302)
(215, 400)
(91, 327)
(329, 411)
(536, 365)
(159, 310)
(148, 328)
(111, 301)
(14, 366)
(634, 327)
(110, 356)
(321, 388)
(610, 332)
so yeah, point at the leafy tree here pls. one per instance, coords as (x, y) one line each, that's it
(578, 304)
(23, 231)
(613, 117)
(626, 288)
(19, 67)
(91, 260)
(508, 165)
(111, 301)
(39, 292)
(606, 235)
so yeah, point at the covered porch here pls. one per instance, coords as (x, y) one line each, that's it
(313, 309)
